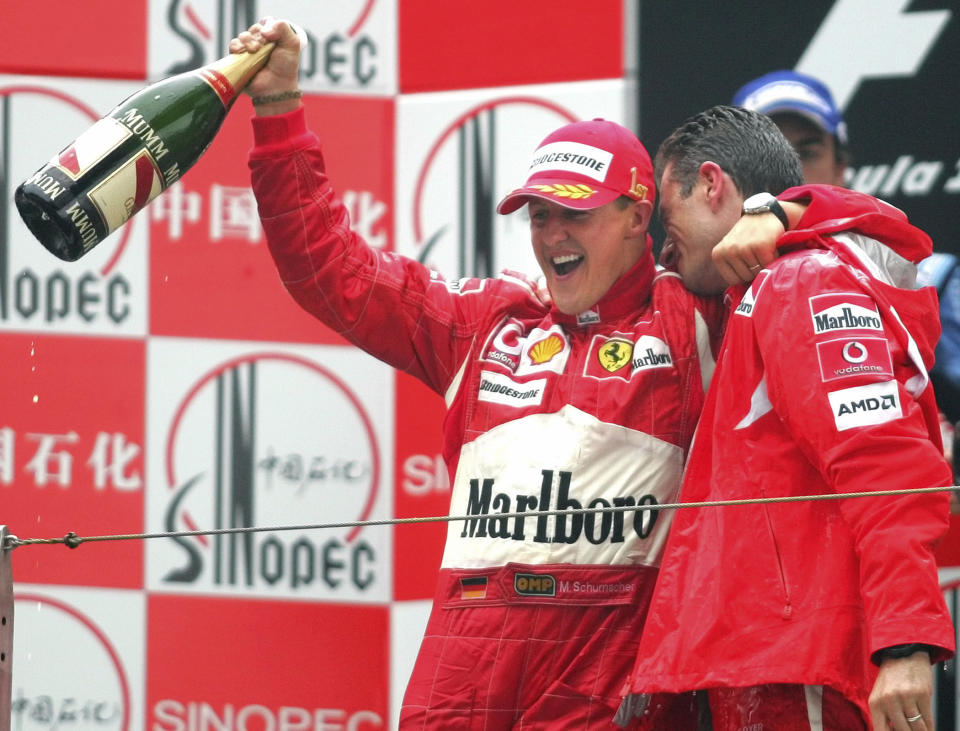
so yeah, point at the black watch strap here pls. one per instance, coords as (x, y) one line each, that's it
(777, 210)
(895, 652)
(763, 202)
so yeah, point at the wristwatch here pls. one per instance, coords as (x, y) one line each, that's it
(764, 202)
(895, 652)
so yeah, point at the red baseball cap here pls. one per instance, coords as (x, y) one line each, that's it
(586, 165)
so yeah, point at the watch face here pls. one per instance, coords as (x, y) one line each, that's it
(758, 203)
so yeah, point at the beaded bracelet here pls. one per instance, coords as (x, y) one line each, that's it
(280, 97)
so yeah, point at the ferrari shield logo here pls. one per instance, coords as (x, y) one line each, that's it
(615, 354)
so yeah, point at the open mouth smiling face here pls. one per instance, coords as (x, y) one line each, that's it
(582, 252)
(566, 263)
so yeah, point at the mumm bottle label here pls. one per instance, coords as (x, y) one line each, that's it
(220, 84)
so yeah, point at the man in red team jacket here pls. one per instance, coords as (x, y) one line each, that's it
(787, 614)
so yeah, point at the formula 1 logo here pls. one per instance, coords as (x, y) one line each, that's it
(866, 45)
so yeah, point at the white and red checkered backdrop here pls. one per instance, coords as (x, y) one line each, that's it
(167, 382)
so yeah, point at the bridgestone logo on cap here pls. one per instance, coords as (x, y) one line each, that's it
(573, 157)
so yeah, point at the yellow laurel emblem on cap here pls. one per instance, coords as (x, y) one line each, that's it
(567, 190)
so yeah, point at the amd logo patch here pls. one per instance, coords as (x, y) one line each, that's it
(874, 403)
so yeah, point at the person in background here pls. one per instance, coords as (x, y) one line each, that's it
(812, 614)
(803, 109)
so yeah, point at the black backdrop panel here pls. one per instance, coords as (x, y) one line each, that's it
(899, 64)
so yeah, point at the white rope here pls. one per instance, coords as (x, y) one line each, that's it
(72, 540)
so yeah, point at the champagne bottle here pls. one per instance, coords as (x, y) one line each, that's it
(131, 155)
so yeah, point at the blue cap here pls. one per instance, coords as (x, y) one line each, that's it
(790, 91)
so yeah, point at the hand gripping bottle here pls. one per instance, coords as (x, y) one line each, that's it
(133, 154)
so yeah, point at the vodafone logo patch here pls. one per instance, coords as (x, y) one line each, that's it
(846, 357)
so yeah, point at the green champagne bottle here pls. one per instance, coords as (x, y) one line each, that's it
(131, 155)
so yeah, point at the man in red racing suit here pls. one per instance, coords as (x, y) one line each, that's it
(536, 618)
(821, 387)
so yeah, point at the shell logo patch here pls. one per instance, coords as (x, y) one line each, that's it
(544, 350)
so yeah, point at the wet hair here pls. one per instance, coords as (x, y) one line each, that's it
(746, 145)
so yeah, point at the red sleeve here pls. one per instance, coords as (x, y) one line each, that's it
(832, 209)
(391, 306)
(864, 432)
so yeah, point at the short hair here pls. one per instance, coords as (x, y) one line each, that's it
(746, 145)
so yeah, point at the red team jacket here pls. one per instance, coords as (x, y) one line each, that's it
(537, 618)
(820, 387)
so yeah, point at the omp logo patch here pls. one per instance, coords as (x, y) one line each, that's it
(846, 357)
(874, 403)
(614, 354)
(534, 585)
(499, 389)
(840, 311)
(573, 157)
